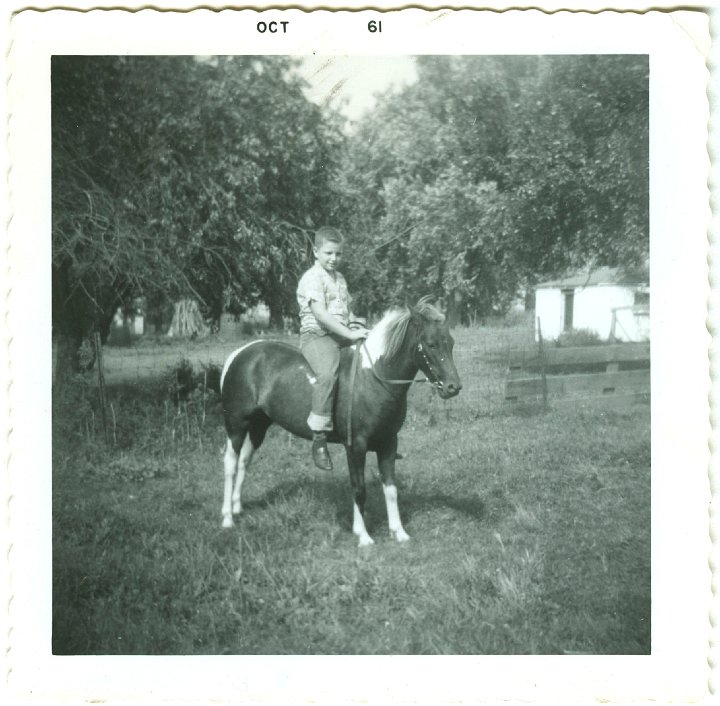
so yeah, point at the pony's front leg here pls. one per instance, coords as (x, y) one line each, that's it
(356, 466)
(386, 463)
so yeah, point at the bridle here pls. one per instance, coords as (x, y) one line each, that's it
(435, 383)
(384, 381)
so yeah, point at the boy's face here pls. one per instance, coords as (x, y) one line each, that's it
(329, 255)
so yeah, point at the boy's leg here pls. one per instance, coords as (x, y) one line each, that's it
(323, 354)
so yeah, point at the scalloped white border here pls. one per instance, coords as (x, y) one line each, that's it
(680, 221)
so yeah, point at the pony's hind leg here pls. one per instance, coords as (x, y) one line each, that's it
(246, 453)
(230, 462)
(238, 454)
(236, 465)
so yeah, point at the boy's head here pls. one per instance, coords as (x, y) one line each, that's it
(328, 234)
(328, 248)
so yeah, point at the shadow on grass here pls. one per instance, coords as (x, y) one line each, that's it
(336, 492)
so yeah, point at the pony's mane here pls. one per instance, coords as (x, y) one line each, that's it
(387, 336)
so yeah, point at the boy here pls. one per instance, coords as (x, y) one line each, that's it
(324, 316)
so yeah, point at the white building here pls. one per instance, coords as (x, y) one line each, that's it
(613, 304)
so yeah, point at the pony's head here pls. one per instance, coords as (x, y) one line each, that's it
(421, 333)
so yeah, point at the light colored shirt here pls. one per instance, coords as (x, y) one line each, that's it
(317, 284)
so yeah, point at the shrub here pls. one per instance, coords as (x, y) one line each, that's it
(182, 382)
(75, 408)
(578, 337)
(518, 317)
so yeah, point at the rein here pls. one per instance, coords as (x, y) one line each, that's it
(388, 381)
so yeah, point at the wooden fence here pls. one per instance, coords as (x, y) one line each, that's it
(618, 373)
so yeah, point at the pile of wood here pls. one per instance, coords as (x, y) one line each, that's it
(187, 320)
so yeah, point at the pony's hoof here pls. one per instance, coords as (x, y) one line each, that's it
(402, 536)
(227, 522)
(237, 508)
(365, 540)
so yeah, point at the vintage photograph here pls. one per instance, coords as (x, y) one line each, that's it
(359, 342)
(219, 224)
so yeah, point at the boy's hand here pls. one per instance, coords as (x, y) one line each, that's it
(359, 333)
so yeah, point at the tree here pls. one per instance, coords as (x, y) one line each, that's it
(425, 168)
(491, 172)
(578, 166)
(177, 177)
(101, 255)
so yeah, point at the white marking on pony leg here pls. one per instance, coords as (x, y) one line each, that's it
(364, 539)
(393, 513)
(246, 454)
(230, 461)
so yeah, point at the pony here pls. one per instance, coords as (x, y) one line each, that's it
(269, 381)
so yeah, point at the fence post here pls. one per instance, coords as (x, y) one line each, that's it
(101, 383)
(541, 352)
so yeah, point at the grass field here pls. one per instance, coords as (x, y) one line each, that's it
(530, 534)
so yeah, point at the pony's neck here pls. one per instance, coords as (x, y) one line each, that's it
(401, 365)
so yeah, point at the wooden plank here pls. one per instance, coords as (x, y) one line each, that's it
(529, 358)
(616, 402)
(600, 384)
(519, 388)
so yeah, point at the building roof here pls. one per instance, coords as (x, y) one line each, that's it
(598, 277)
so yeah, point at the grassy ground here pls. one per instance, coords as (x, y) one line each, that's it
(530, 534)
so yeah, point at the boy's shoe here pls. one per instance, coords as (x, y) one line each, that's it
(320, 453)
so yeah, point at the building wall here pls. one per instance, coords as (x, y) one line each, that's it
(549, 307)
(594, 305)
(593, 309)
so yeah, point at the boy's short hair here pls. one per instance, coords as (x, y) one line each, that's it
(328, 234)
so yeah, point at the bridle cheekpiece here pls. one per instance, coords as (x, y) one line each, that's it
(433, 377)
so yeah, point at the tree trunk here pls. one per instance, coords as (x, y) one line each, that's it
(215, 313)
(454, 308)
(276, 314)
(66, 362)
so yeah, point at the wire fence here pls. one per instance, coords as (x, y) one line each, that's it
(486, 358)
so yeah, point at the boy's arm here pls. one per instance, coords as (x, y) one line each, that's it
(330, 323)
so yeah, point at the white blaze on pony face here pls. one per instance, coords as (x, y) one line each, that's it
(394, 522)
(230, 359)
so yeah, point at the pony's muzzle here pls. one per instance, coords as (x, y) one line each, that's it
(449, 389)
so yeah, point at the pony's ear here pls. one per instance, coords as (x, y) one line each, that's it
(415, 315)
(422, 304)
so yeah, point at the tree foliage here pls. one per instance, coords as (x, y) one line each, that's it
(491, 172)
(197, 177)
(181, 177)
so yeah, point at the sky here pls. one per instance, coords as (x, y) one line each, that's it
(350, 83)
